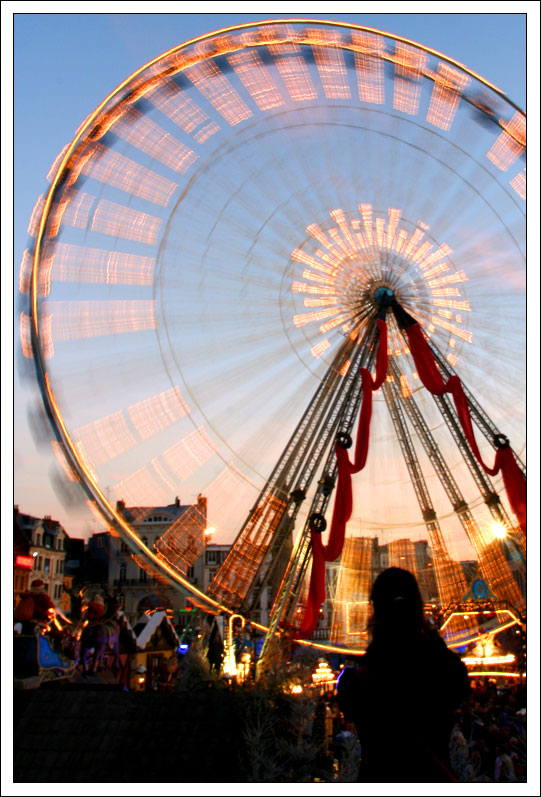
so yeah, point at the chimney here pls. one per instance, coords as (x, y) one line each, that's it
(120, 506)
(177, 501)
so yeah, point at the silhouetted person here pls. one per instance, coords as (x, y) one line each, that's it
(215, 650)
(403, 695)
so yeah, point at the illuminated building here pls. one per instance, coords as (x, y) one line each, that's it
(47, 546)
(23, 561)
(157, 642)
(176, 531)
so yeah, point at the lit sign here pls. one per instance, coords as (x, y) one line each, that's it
(489, 659)
(25, 562)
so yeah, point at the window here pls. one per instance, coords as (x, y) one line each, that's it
(100, 542)
(145, 541)
(142, 575)
(190, 572)
(38, 539)
(40, 562)
(47, 566)
(122, 572)
(211, 556)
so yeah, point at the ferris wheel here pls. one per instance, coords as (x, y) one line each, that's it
(211, 270)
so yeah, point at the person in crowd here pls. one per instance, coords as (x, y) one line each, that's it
(403, 696)
(215, 645)
(35, 608)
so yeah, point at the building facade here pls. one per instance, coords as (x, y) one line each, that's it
(47, 541)
(174, 533)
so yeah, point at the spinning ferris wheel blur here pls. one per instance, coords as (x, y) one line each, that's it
(204, 277)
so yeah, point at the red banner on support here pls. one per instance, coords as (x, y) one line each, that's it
(513, 478)
(343, 504)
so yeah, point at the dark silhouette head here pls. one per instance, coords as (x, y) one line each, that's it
(398, 606)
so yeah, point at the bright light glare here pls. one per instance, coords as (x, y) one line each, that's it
(499, 530)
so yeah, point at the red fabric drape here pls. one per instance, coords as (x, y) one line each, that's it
(344, 496)
(513, 478)
(316, 593)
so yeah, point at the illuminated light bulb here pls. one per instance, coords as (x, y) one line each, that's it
(499, 530)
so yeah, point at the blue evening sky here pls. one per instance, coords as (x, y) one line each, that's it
(65, 64)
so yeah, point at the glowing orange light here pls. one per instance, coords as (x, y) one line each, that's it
(518, 183)
(155, 413)
(152, 139)
(61, 459)
(405, 386)
(369, 50)
(340, 218)
(25, 272)
(345, 368)
(106, 438)
(366, 213)
(256, 79)
(414, 240)
(189, 453)
(71, 263)
(74, 211)
(409, 64)
(121, 222)
(178, 106)
(297, 80)
(448, 86)
(486, 660)
(206, 132)
(141, 486)
(494, 674)
(88, 319)
(316, 232)
(324, 302)
(335, 322)
(309, 275)
(463, 334)
(303, 287)
(184, 541)
(303, 257)
(117, 170)
(320, 348)
(217, 89)
(499, 530)
(449, 279)
(306, 318)
(46, 340)
(510, 143)
(332, 71)
(35, 217)
(445, 291)
(56, 163)
(465, 306)
(442, 251)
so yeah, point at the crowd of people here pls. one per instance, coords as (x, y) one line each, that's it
(487, 743)
(489, 738)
